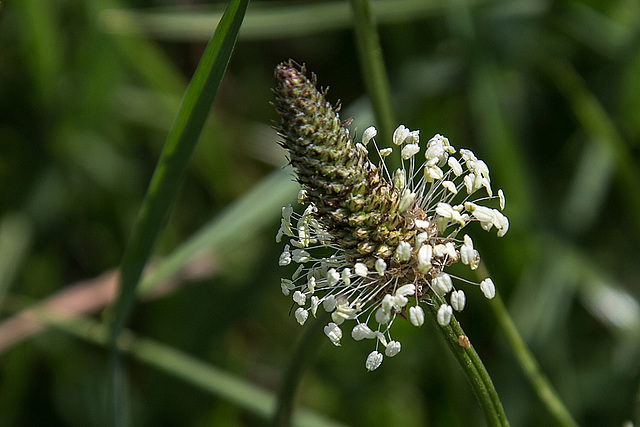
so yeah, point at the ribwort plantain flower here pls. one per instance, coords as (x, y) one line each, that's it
(373, 244)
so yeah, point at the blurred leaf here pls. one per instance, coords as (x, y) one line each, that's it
(193, 371)
(265, 19)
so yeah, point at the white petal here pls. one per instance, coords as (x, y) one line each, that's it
(286, 285)
(458, 300)
(301, 315)
(455, 166)
(450, 186)
(373, 361)
(362, 331)
(488, 288)
(362, 148)
(387, 303)
(329, 303)
(299, 298)
(311, 284)
(416, 315)
(421, 238)
(315, 302)
(400, 134)
(334, 333)
(300, 256)
(385, 152)
(442, 284)
(361, 269)
(392, 349)
(332, 277)
(432, 173)
(403, 251)
(346, 276)
(419, 223)
(399, 179)
(381, 266)
(444, 314)
(406, 290)
(424, 258)
(502, 199)
(409, 151)
(406, 201)
(382, 317)
(368, 134)
(285, 257)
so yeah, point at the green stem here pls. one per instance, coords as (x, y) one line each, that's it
(310, 339)
(474, 370)
(540, 383)
(373, 69)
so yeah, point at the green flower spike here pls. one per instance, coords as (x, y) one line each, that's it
(372, 245)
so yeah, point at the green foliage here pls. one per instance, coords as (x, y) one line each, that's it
(547, 93)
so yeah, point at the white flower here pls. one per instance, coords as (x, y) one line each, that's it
(406, 201)
(458, 300)
(299, 298)
(400, 134)
(373, 361)
(286, 285)
(343, 312)
(441, 284)
(433, 173)
(361, 269)
(416, 315)
(400, 179)
(382, 317)
(332, 277)
(368, 134)
(329, 304)
(301, 315)
(403, 252)
(381, 266)
(315, 302)
(501, 222)
(455, 166)
(487, 287)
(346, 276)
(468, 255)
(502, 199)
(385, 152)
(362, 331)
(444, 314)
(285, 257)
(393, 348)
(449, 185)
(408, 244)
(300, 256)
(334, 333)
(311, 284)
(410, 150)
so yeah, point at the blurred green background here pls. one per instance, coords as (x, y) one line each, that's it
(547, 93)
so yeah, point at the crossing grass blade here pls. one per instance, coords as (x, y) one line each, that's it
(166, 180)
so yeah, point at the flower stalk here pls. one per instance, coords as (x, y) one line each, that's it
(373, 244)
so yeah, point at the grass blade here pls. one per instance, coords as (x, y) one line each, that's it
(168, 174)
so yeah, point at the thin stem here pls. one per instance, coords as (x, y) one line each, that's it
(373, 68)
(299, 361)
(539, 381)
(473, 368)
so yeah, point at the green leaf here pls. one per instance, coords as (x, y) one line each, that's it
(167, 177)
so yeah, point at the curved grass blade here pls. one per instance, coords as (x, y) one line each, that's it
(172, 361)
(166, 179)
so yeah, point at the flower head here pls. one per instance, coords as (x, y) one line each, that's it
(373, 244)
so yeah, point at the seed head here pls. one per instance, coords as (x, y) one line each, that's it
(373, 244)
